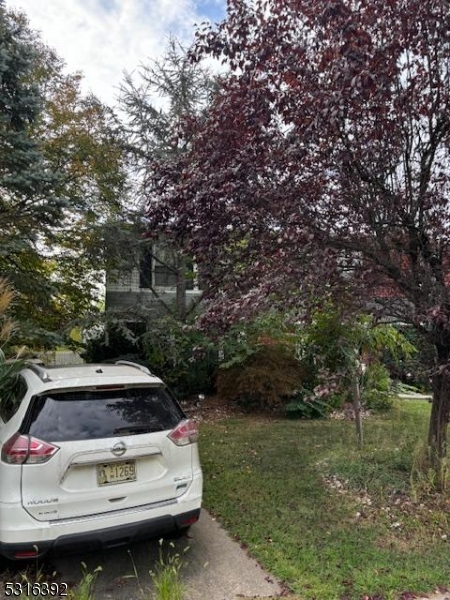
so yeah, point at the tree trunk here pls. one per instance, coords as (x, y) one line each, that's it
(181, 288)
(357, 407)
(440, 413)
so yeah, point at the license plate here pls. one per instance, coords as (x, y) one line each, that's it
(117, 472)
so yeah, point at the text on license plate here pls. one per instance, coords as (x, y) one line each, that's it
(117, 472)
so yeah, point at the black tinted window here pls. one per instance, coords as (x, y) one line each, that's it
(87, 414)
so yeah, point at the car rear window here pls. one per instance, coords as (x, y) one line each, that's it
(86, 414)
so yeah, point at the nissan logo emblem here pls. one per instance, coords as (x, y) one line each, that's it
(119, 449)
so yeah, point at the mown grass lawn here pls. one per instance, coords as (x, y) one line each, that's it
(331, 521)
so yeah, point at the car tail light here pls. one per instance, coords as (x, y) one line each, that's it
(184, 433)
(24, 554)
(21, 449)
(189, 522)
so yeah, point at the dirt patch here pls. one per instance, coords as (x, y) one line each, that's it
(209, 409)
(212, 409)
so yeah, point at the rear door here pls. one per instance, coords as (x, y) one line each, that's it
(113, 454)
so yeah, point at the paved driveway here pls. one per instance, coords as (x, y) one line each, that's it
(215, 567)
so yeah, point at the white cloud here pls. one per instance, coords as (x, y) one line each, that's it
(102, 38)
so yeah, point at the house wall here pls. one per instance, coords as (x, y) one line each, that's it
(124, 295)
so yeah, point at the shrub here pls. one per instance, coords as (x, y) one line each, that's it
(338, 344)
(417, 368)
(301, 406)
(264, 380)
(118, 341)
(181, 355)
(377, 388)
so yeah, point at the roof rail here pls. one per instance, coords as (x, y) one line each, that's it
(129, 363)
(39, 370)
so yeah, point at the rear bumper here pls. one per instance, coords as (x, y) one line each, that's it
(21, 533)
(103, 538)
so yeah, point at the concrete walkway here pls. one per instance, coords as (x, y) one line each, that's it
(215, 567)
(229, 573)
(414, 396)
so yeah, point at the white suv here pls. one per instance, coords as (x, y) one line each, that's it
(93, 456)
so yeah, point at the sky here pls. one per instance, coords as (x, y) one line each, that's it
(104, 38)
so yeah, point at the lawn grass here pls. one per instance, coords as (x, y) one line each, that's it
(331, 521)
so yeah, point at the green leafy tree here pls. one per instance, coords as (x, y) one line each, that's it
(340, 345)
(29, 203)
(27, 180)
(159, 103)
(83, 140)
(159, 100)
(56, 206)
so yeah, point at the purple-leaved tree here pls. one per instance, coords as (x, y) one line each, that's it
(322, 167)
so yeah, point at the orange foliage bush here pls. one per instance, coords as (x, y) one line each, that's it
(265, 379)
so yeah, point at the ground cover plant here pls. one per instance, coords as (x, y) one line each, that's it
(332, 521)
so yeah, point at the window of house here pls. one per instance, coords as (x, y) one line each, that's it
(158, 269)
(165, 276)
(145, 269)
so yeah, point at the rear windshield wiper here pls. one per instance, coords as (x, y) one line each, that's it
(132, 429)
